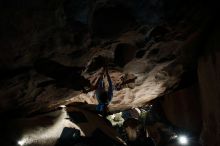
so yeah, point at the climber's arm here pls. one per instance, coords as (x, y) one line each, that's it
(110, 88)
(100, 82)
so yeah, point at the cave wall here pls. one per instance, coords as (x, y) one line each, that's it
(182, 108)
(66, 37)
(54, 30)
(196, 107)
(209, 78)
(31, 30)
(23, 28)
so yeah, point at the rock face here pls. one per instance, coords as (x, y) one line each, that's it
(208, 74)
(198, 105)
(55, 50)
(69, 126)
(52, 52)
(186, 104)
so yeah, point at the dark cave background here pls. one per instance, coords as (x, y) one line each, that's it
(47, 44)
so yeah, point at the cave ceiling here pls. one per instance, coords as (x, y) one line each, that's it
(53, 51)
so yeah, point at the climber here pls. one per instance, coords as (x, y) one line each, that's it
(104, 97)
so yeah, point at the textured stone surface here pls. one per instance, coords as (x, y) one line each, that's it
(52, 59)
(208, 73)
(183, 109)
(53, 50)
(49, 129)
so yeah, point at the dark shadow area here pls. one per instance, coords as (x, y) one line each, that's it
(77, 117)
(99, 138)
(64, 76)
(158, 33)
(71, 137)
(188, 78)
(142, 141)
(97, 63)
(110, 21)
(7, 73)
(123, 54)
(140, 53)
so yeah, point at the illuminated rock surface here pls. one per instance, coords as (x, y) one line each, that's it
(53, 50)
